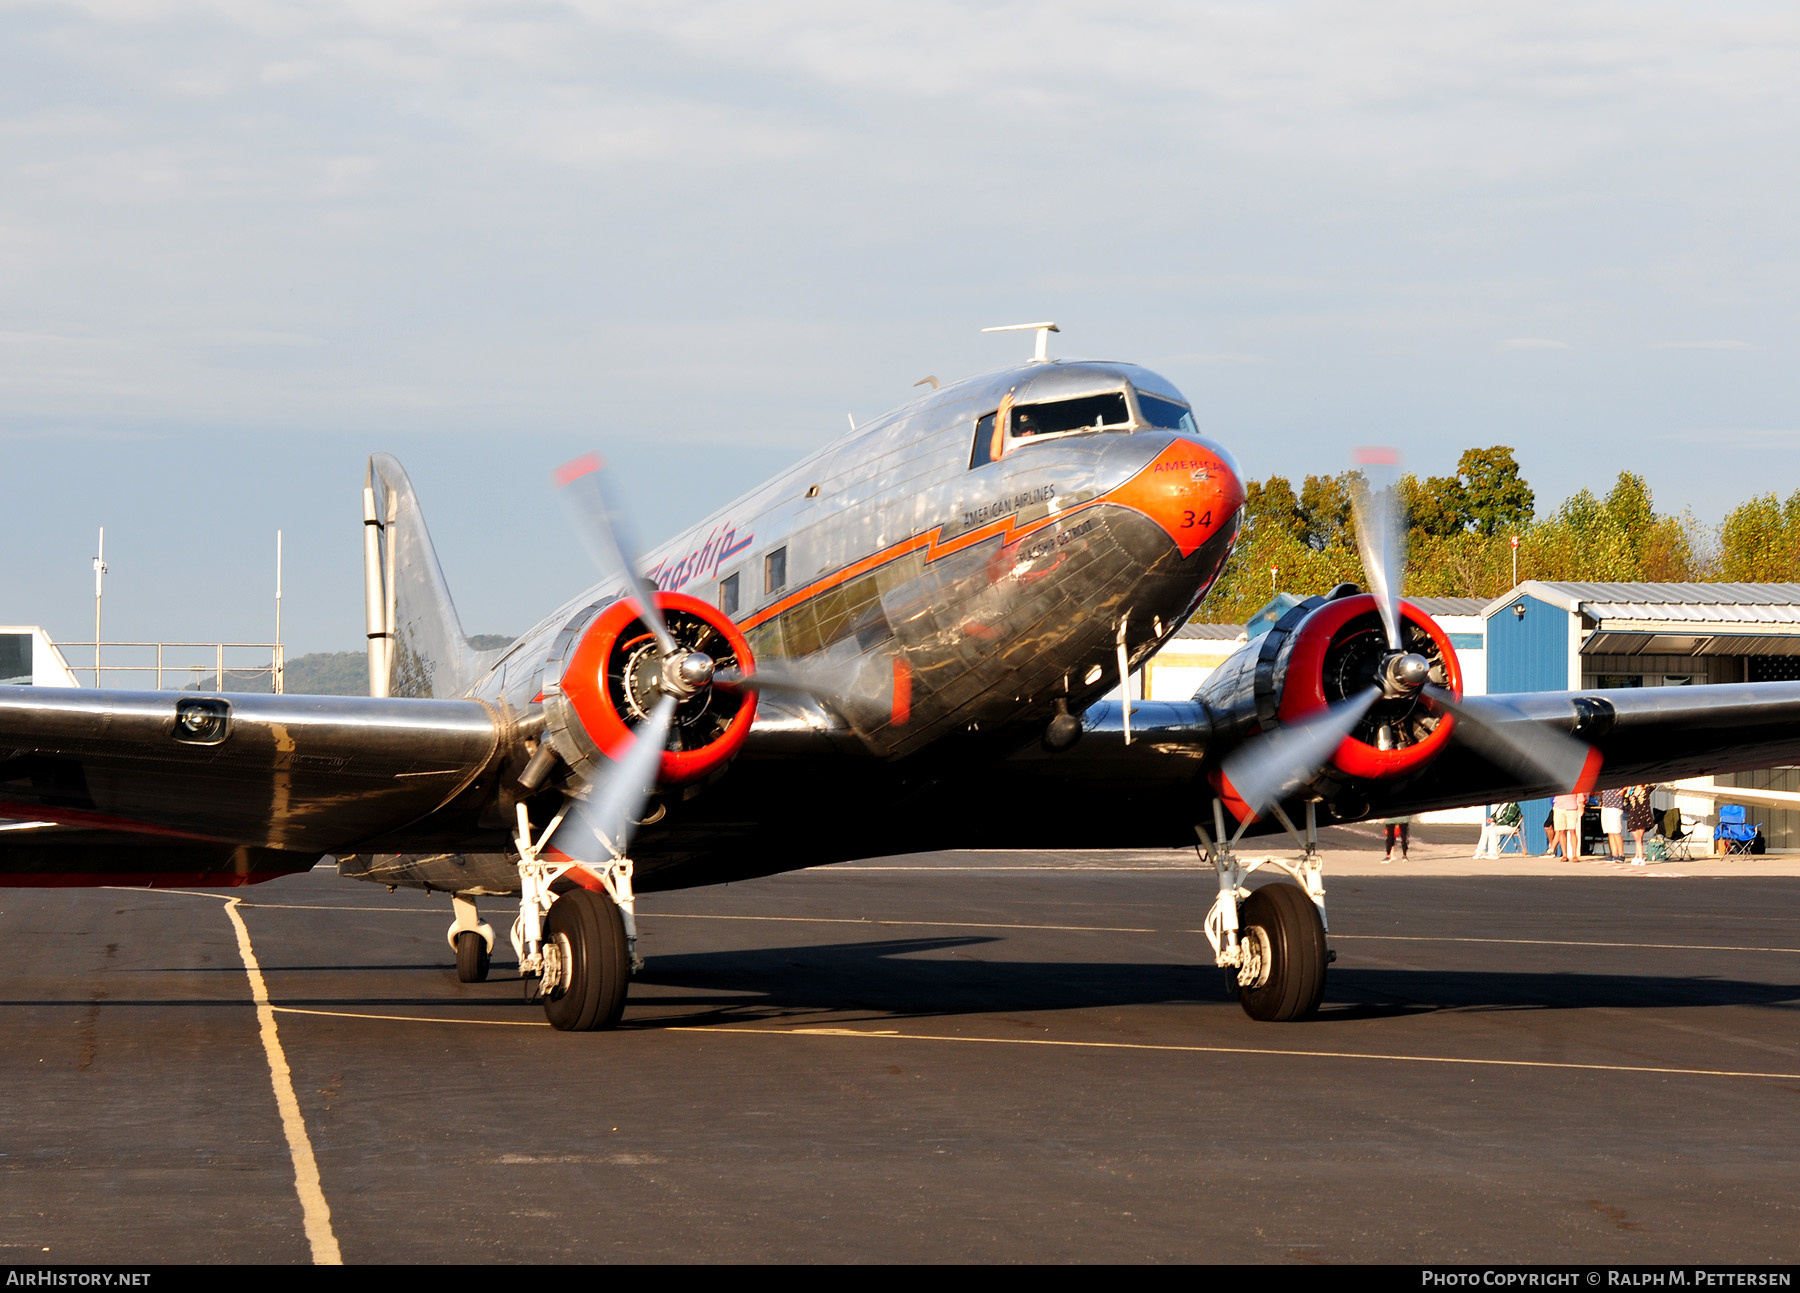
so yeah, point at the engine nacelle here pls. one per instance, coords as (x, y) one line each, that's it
(603, 679)
(1325, 651)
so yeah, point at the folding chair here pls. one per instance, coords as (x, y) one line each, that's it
(1679, 831)
(1739, 834)
(1505, 835)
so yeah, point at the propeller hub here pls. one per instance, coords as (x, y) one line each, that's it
(1405, 672)
(684, 673)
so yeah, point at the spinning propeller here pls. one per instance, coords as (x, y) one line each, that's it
(602, 813)
(1269, 767)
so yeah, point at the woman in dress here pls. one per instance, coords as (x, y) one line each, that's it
(1639, 817)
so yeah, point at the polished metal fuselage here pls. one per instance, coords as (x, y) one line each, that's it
(955, 609)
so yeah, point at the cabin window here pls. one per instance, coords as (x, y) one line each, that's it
(987, 444)
(775, 571)
(1166, 413)
(728, 593)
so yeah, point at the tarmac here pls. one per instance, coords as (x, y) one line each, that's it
(988, 1056)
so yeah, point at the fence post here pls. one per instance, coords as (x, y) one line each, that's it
(221, 666)
(159, 666)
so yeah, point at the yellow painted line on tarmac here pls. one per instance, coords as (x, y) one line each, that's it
(1559, 942)
(907, 924)
(413, 1019)
(315, 1213)
(894, 1035)
(891, 1035)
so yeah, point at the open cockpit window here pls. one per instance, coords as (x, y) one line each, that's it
(1085, 413)
(1166, 413)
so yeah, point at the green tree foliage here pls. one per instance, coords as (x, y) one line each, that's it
(1760, 541)
(1494, 497)
(1459, 532)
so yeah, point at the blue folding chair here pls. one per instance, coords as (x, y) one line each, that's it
(1739, 834)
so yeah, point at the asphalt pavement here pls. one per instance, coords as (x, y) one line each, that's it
(950, 1057)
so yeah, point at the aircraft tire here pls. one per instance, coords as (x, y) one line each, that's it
(1297, 955)
(471, 957)
(588, 928)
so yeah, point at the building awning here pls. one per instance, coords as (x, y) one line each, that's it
(1670, 639)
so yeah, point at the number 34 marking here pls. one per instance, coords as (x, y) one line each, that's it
(1188, 522)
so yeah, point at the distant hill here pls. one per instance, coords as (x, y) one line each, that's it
(322, 673)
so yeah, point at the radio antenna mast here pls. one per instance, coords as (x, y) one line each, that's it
(1043, 331)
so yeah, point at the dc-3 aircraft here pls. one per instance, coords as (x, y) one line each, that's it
(899, 644)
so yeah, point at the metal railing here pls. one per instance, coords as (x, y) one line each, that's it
(168, 659)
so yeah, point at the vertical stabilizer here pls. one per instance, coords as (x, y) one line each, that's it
(416, 643)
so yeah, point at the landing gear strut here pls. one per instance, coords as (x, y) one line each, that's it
(579, 945)
(1267, 925)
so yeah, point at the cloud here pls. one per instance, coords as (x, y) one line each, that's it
(1701, 345)
(1534, 343)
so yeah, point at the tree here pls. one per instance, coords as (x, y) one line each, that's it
(1760, 541)
(1325, 506)
(1495, 497)
(1271, 505)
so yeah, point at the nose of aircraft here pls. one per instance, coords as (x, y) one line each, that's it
(1191, 489)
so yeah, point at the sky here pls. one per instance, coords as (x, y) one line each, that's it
(243, 245)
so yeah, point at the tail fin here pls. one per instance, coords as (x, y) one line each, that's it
(416, 642)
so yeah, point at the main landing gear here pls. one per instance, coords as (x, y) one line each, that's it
(579, 947)
(1267, 925)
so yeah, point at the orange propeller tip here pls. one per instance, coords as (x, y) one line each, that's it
(576, 468)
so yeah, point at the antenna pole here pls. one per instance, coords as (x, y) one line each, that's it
(99, 576)
(277, 667)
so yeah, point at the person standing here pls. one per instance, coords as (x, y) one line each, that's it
(1639, 817)
(1612, 821)
(1567, 811)
(1398, 828)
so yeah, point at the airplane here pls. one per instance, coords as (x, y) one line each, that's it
(902, 643)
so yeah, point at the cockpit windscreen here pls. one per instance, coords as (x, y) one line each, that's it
(1088, 413)
(1165, 413)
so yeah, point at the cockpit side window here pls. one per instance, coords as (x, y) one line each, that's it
(1085, 413)
(1166, 413)
(987, 444)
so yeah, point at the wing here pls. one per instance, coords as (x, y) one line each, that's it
(1643, 735)
(304, 775)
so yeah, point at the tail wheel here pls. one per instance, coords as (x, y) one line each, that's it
(592, 969)
(1280, 929)
(471, 957)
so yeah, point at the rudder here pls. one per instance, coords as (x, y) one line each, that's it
(416, 643)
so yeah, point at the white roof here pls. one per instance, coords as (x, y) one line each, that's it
(1620, 605)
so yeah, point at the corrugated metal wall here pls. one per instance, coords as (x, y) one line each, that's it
(1529, 652)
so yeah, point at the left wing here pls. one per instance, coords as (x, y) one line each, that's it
(302, 774)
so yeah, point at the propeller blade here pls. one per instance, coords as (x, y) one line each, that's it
(581, 485)
(1266, 769)
(602, 816)
(1381, 532)
(1526, 750)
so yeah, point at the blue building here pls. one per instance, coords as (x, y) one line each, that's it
(1545, 636)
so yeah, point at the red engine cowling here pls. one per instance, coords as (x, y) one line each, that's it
(608, 686)
(1336, 654)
